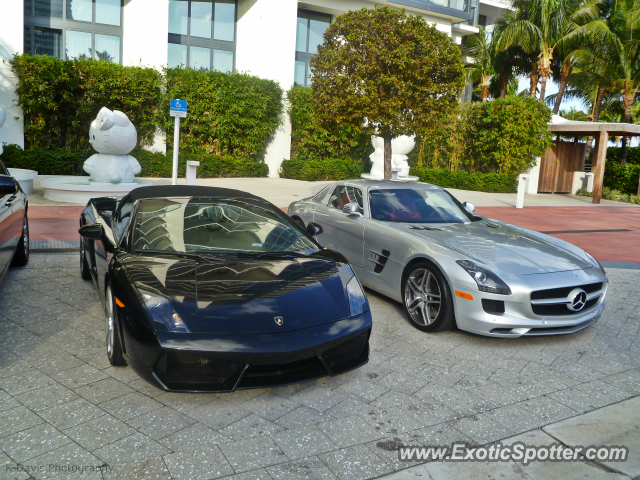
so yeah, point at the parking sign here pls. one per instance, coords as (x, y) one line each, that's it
(178, 108)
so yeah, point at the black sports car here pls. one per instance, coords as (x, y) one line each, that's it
(14, 226)
(210, 289)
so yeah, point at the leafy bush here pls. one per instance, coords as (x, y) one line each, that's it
(481, 182)
(62, 161)
(612, 194)
(309, 139)
(229, 114)
(61, 98)
(633, 155)
(624, 179)
(314, 169)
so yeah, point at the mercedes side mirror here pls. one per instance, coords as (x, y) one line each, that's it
(314, 229)
(469, 206)
(8, 185)
(93, 231)
(352, 209)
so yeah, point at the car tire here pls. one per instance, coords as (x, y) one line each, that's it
(427, 298)
(21, 255)
(85, 272)
(112, 331)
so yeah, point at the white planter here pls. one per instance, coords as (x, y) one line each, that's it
(81, 189)
(25, 178)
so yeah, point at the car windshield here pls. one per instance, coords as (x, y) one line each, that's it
(190, 225)
(416, 206)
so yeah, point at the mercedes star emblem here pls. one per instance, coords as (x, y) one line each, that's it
(278, 320)
(577, 299)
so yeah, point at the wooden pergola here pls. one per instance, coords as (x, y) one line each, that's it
(601, 131)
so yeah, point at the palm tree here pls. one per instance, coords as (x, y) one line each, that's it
(541, 27)
(478, 47)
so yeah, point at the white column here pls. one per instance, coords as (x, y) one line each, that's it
(11, 42)
(266, 44)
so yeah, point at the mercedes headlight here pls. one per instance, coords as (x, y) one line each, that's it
(162, 312)
(487, 280)
(357, 300)
(596, 263)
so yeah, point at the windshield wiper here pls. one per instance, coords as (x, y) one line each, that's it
(254, 254)
(189, 255)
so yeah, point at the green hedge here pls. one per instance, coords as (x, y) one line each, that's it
(60, 98)
(625, 179)
(229, 113)
(633, 155)
(327, 169)
(62, 161)
(481, 182)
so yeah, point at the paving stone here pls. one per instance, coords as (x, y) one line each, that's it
(79, 376)
(310, 468)
(258, 474)
(270, 405)
(9, 469)
(317, 398)
(303, 416)
(103, 390)
(217, 414)
(515, 418)
(152, 468)
(130, 405)
(198, 465)
(362, 390)
(122, 374)
(99, 432)
(32, 442)
(59, 462)
(349, 431)
(161, 422)
(25, 381)
(355, 463)
(257, 452)
(577, 400)
(71, 413)
(46, 397)
(457, 470)
(17, 419)
(548, 409)
(481, 429)
(130, 448)
(193, 438)
(391, 421)
(303, 442)
(183, 403)
(7, 402)
(250, 426)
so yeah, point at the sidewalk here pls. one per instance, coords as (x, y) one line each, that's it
(617, 424)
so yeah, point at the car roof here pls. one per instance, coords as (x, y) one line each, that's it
(390, 184)
(163, 191)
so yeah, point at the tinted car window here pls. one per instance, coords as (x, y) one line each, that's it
(416, 206)
(343, 195)
(211, 225)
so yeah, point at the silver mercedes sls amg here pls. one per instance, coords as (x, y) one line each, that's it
(417, 244)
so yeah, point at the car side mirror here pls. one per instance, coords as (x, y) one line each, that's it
(93, 231)
(8, 185)
(314, 229)
(352, 209)
(469, 206)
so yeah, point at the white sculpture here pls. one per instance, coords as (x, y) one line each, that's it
(113, 136)
(400, 147)
(3, 117)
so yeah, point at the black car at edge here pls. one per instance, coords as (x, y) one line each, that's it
(210, 289)
(14, 225)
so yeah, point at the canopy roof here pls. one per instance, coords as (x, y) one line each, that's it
(574, 128)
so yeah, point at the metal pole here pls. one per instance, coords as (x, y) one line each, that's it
(176, 146)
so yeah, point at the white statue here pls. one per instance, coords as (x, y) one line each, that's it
(113, 136)
(3, 117)
(400, 147)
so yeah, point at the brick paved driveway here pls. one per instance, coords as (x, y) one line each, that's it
(61, 402)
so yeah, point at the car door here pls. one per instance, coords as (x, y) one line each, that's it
(104, 248)
(341, 232)
(11, 206)
(5, 219)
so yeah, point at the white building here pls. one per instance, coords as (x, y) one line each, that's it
(272, 39)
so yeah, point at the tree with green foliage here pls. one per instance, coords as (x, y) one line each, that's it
(479, 48)
(392, 73)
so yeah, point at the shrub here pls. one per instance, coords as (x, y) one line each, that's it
(62, 161)
(481, 182)
(624, 179)
(326, 169)
(309, 139)
(229, 114)
(612, 194)
(633, 155)
(60, 98)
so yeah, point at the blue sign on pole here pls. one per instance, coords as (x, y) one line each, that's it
(178, 108)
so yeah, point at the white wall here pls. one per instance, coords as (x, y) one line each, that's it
(11, 42)
(265, 47)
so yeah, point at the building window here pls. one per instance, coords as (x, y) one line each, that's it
(310, 34)
(202, 34)
(71, 29)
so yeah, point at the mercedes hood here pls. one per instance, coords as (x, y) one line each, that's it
(238, 295)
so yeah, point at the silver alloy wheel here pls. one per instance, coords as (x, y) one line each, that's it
(422, 296)
(109, 323)
(25, 236)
